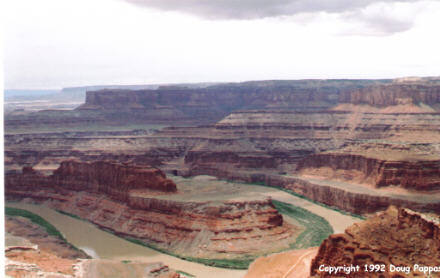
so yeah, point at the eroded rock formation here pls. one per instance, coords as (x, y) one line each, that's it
(361, 156)
(395, 240)
(410, 174)
(32, 252)
(190, 103)
(398, 237)
(396, 93)
(113, 179)
(132, 202)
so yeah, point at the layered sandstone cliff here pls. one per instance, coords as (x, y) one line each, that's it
(251, 145)
(394, 94)
(279, 140)
(398, 237)
(379, 172)
(361, 200)
(228, 96)
(189, 104)
(289, 134)
(389, 244)
(114, 179)
(32, 252)
(132, 202)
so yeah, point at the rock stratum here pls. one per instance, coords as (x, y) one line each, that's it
(32, 252)
(113, 179)
(355, 145)
(132, 202)
(395, 239)
(396, 93)
(190, 104)
(409, 174)
(398, 237)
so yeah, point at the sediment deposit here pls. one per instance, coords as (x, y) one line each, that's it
(383, 95)
(290, 264)
(371, 154)
(409, 174)
(127, 202)
(189, 104)
(32, 252)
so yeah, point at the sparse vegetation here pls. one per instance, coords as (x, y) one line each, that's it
(223, 263)
(305, 198)
(70, 214)
(50, 229)
(316, 228)
(186, 274)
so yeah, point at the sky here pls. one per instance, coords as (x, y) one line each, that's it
(51, 44)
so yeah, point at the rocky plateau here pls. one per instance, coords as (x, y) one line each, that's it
(395, 239)
(369, 157)
(354, 145)
(132, 201)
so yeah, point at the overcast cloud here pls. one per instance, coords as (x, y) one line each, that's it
(251, 9)
(62, 43)
(371, 21)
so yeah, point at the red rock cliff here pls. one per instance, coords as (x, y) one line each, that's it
(213, 229)
(393, 94)
(418, 175)
(398, 237)
(114, 179)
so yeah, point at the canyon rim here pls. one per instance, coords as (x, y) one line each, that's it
(212, 139)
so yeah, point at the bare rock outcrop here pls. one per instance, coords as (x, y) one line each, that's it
(394, 94)
(132, 202)
(389, 244)
(32, 252)
(409, 174)
(396, 237)
(290, 264)
(111, 178)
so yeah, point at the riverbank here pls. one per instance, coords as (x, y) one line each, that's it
(100, 244)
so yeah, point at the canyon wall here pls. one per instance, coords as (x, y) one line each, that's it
(398, 237)
(132, 202)
(395, 241)
(253, 145)
(393, 94)
(417, 175)
(279, 140)
(228, 97)
(187, 104)
(343, 196)
(286, 134)
(111, 178)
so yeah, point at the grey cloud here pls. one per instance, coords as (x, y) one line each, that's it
(379, 22)
(253, 9)
(384, 25)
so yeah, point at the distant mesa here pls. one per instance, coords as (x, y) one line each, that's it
(354, 145)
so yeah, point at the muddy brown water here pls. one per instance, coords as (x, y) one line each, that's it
(209, 188)
(100, 244)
